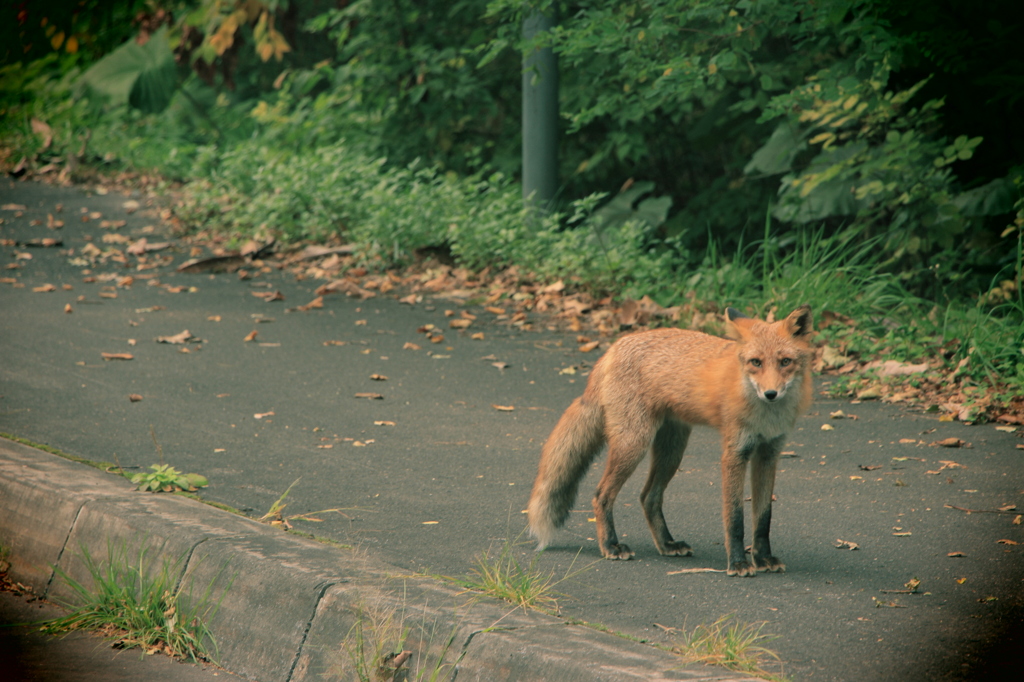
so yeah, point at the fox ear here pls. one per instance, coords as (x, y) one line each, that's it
(799, 322)
(736, 324)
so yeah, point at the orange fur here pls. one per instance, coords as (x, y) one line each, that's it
(647, 392)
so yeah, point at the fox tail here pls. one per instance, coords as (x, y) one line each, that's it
(569, 450)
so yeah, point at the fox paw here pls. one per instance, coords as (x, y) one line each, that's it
(769, 563)
(742, 569)
(617, 551)
(676, 548)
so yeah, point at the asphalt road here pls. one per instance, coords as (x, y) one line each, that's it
(451, 477)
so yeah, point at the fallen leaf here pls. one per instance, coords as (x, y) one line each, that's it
(334, 342)
(479, 336)
(869, 467)
(438, 338)
(827, 427)
(838, 414)
(500, 365)
(495, 310)
(1006, 429)
(961, 581)
(383, 422)
(904, 533)
(68, 308)
(460, 323)
(956, 555)
(870, 393)
(317, 302)
(117, 356)
(846, 544)
(410, 346)
(378, 377)
(226, 263)
(348, 287)
(571, 369)
(431, 523)
(261, 415)
(411, 299)
(44, 288)
(108, 294)
(949, 443)
(251, 336)
(134, 397)
(14, 207)
(587, 347)
(268, 295)
(908, 440)
(503, 408)
(181, 337)
(1007, 542)
(370, 396)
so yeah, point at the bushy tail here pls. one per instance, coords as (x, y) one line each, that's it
(570, 449)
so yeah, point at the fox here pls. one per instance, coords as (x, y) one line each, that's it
(646, 393)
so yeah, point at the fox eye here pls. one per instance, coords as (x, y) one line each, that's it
(785, 362)
(755, 362)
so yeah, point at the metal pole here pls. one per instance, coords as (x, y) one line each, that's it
(540, 116)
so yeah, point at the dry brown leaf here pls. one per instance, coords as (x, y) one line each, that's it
(181, 337)
(495, 310)
(409, 345)
(949, 443)
(587, 347)
(268, 295)
(503, 408)
(370, 396)
(1007, 542)
(956, 555)
(261, 415)
(437, 338)
(500, 365)
(460, 323)
(846, 544)
(334, 342)
(383, 422)
(251, 336)
(479, 336)
(44, 288)
(378, 377)
(68, 308)
(117, 356)
(134, 397)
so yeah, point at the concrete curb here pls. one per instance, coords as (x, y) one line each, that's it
(289, 602)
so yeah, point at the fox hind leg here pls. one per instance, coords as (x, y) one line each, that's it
(626, 447)
(666, 453)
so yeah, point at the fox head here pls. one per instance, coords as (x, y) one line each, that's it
(773, 356)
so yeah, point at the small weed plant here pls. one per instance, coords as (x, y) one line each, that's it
(166, 479)
(731, 644)
(275, 515)
(137, 606)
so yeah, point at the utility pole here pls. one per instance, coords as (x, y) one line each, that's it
(540, 116)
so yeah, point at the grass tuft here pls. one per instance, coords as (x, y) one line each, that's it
(504, 577)
(138, 607)
(731, 644)
(375, 649)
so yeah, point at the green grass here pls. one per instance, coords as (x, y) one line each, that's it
(503, 576)
(138, 605)
(375, 648)
(731, 644)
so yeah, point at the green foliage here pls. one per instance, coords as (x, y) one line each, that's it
(166, 479)
(143, 76)
(142, 606)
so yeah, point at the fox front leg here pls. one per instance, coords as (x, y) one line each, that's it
(762, 484)
(734, 469)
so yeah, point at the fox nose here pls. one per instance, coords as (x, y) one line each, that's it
(771, 395)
